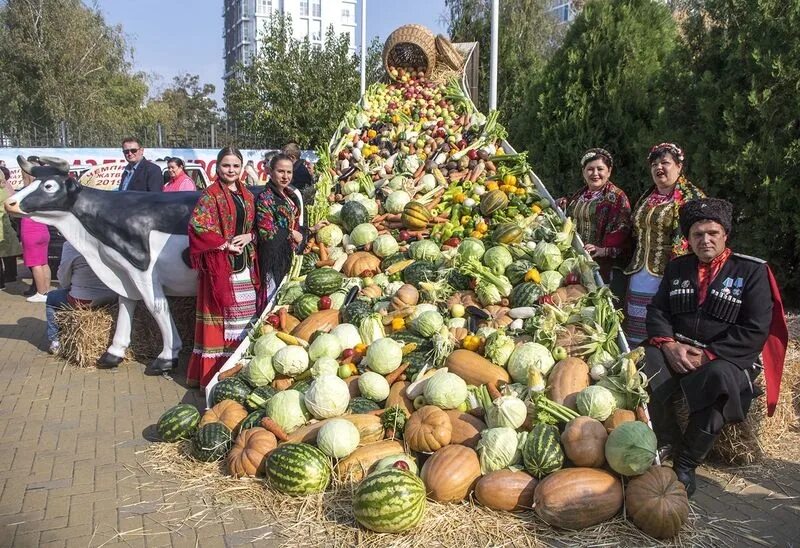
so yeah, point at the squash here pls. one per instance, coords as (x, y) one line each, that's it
(506, 490)
(584, 441)
(575, 498)
(492, 201)
(370, 429)
(282, 382)
(428, 429)
(618, 417)
(467, 298)
(316, 321)
(459, 334)
(291, 323)
(507, 233)
(474, 368)
(415, 216)
(352, 385)
(466, 428)
(406, 295)
(373, 291)
(228, 412)
(450, 473)
(656, 502)
(567, 378)
(568, 294)
(360, 262)
(250, 451)
(358, 463)
(397, 396)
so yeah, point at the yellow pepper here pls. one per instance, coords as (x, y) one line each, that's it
(533, 275)
(361, 348)
(482, 227)
(535, 209)
(520, 191)
(459, 198)
(398, 324)
(371, 133)
(476, 234)
(510, 180)
(491, 185)
(499, 152)
(471, 342)
(465, 219)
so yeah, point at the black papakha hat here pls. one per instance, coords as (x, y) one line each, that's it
(706, 209)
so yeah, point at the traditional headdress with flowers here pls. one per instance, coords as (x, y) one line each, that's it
(595, 153)
(661, 148)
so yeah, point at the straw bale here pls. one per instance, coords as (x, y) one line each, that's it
(85, 333)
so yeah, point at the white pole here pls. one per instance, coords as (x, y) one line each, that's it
(493, 56)
(363, 47)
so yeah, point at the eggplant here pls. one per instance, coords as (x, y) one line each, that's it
(477, 312)
(351, 295)
(347, 174)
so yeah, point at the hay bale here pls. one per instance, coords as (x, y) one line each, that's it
(85, 333)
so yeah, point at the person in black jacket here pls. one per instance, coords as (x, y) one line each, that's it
(140, 173)
(706, 327)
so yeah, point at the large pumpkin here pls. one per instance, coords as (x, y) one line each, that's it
(428, 429)
(228, 412)
(568, 377)
(250, 452)
(450, 473)
(575, 498)
(656, 502)
(466, 428)
(506, 490)
(323, 319)
(584, 441)
(359, 262)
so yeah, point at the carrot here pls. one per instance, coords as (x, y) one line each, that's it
(394, 376)
(323, 252)
(272, 426)
(433, 203)
(230, 372)
(379, 218)
(283, 315)
(456, 176)
(494, 393)
(393, 217)
(420, 171)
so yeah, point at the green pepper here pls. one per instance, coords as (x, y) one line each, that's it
(455, 213)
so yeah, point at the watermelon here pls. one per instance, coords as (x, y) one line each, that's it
(458, 280)
(178, 422)
(309, 263)
(356, 311)
(420, 271)
(525, 294)
(259, 397)
(211, 442)
(416, 360)
(353, 214)
(389, 501)
(392, 259)
(305, 305)
(232, 388)
(253, 419)
(515, 272)
(298, 469)
(542, 453)
(361, 405)
(324, 281)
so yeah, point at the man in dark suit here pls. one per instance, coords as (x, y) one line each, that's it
(140, 173)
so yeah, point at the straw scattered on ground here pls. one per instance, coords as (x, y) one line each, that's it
(85, 333)
(327, 518)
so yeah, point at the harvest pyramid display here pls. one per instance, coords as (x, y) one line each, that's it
(443, 337)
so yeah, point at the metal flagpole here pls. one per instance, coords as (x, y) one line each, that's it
(363, 47)
(493, 56)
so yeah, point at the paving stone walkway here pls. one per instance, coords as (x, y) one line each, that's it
(71, 469)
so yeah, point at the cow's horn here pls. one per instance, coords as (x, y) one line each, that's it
(26, 166)
(59, 163)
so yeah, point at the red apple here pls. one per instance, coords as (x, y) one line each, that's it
(324, 302)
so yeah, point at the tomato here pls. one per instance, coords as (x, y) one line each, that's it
(401, 465)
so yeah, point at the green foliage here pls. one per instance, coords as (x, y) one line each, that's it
(293, 90)
(603, 87)
(186, 108)
(739, 119)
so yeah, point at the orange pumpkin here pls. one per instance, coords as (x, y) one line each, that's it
(584, 441)
(250, 451)
(428, 429)
(576, 498)
(618, 417)
(323, 319)
(228, 412)
(359, 262)
(656, 502)
(397, 396)
(466, 428)
(372, 291)
(568, 377)
(506, 490)
(450, 473)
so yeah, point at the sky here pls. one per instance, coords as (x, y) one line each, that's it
(173, 37)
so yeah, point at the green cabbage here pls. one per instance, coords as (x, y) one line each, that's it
(363, 234)
(498, 258)
(497, 449)
(445, 390)
(471, 248)
(529, 355)
(328, 397)
(508, 411)
(338, 438)
(384, 355)
(631, 448)
(267, 345)
(499, 348)
(428, 323)
(288, 410)
(347, 334)
(324, 366)
(569, 265)
(385, 245)
(371, 329)
(396, 201)
(259, 372)
(289, 292)
(337, 299)
(324, 345)
(290, 360)
(547, 256)
(551, 280)
(373, 386)
(330, 235)
(424, 250)
(596, 402)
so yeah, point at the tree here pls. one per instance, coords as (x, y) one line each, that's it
(603, 87)
(737, 108)
(61, 61)
(185, 110)
(293, 91)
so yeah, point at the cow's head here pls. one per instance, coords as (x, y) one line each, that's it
(52, 189)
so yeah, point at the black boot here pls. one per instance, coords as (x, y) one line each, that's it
(665, 426)
(697, 443)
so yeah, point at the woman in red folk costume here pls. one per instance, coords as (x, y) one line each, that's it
(221, 234)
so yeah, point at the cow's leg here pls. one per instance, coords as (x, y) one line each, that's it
(122, 335)
(168, 359)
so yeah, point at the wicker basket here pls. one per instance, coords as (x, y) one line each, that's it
(410, 46)
(448, 54)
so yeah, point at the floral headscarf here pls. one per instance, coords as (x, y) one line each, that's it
(661, 148)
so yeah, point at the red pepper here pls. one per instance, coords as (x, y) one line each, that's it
(452, 242)
(324, 302)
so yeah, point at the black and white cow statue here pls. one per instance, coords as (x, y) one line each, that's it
(135, 242)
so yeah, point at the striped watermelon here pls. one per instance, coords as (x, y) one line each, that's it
(305, 305)
(542, 453)
(178, 423)
(324, 281)
(362, 405)
(525, 294)
(232, 388)
(515, 272)
(253, 419)
(390, 501)
(211, 442)
(298, 469)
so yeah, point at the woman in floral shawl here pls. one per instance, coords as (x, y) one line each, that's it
(657, 232)
(279, 214)
(222, 250)
(602, 215)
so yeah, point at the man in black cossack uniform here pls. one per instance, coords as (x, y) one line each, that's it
(714, 312)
